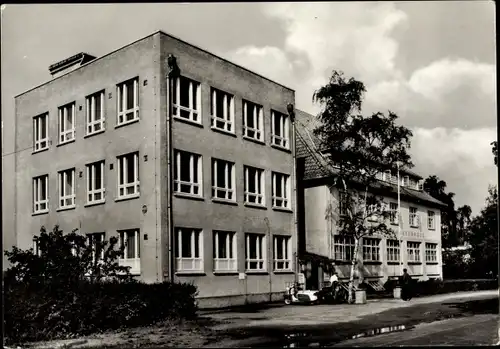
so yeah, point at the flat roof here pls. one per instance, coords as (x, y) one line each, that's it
(147, 36)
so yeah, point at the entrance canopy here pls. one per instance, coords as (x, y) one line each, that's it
(324, 262)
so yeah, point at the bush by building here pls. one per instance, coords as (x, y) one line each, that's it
(64, 291)
(438, 286)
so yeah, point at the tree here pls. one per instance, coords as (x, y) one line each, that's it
(358, 149)
(63, 260)
(494, 150)
(436, 188)
(463, 219)
(484, 236)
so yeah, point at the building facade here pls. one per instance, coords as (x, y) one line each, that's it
(417, 248)
(212, 204)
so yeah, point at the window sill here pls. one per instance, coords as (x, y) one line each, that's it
(254, 140)
(256, 272)
(188, 121)
(90, 204)
(372, 262)
(94, 133)
(225, 272)
(284, 272)
(125, 123)
(189, 196)
(395, 224)
(66, 208)
(190, 273)
(39, 213)
(393, 263)
(249, 204)
(282, 209)
(226, 132)
(223, 201)
(414, 263)
(432, 229)
(279, 147)
(66, 142)
(432, 263)
(414, 226)
(39, 150)
(130, 197)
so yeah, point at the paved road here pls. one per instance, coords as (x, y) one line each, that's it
(296, 315)
(474, 330)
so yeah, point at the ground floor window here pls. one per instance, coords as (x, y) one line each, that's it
(255, 252)
(393, 251)
(225, 251)
(189, 249)
(371, 250)
(430, 252)
(282, 252)
(413, 251)
(344, 248)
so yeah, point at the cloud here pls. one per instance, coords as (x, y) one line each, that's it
(462, 158)
(449, 103)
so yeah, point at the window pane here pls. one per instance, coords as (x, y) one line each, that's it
(43, 188)
(253, 247)
(279, 246)
(220, 104)
(277, 130)
(186, 244)
(222, 245)
(97, 176)
(221, 174)
(43, 125)
(185, 171)
(184, 91)
(97, 106)
(130, 95)
(130, 169)
(250, 110)
(130, 244)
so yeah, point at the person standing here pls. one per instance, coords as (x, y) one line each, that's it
(405, 282)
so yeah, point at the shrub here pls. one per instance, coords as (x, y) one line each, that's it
(52, 295)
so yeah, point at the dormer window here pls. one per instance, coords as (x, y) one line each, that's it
(387, 176)
(406, 181)
(420, 185)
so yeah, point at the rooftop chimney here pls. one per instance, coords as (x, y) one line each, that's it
(69, 64)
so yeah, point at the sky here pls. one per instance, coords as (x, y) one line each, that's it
(432, 63)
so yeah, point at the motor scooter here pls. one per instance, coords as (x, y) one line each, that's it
(295, 295)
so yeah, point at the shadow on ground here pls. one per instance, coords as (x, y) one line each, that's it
(327, 335)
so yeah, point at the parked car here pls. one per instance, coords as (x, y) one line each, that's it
(295, 295)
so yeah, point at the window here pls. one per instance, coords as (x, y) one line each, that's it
(95, 182)
(431, 222)
(371, 249)
(189, 249)
(420, 185)
(225, 251)
(413, 218)
(187, 173)
(282, 253)
(255, 252)
(430, 252)
(128, 175)
(40, 194)
(67, 188)
(40, 132)
(343, 248)
(280, 130)
(222, 110)
(413, 251)
(95, 112)
(96, 240)
(387, 176)
(187, 99)
(223, 186)
(253, 121)
(66, 123)
(394, 215)
(128, 101)
(36, 246)
(129, 240)
(130, 243)
(412, 183)
(343, 203)
(406, 181)
(254, 185)
(281, 190)
(393, 251)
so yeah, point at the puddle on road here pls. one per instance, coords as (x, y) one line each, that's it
(304, 339)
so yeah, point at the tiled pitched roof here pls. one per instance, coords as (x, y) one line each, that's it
(317, 167)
